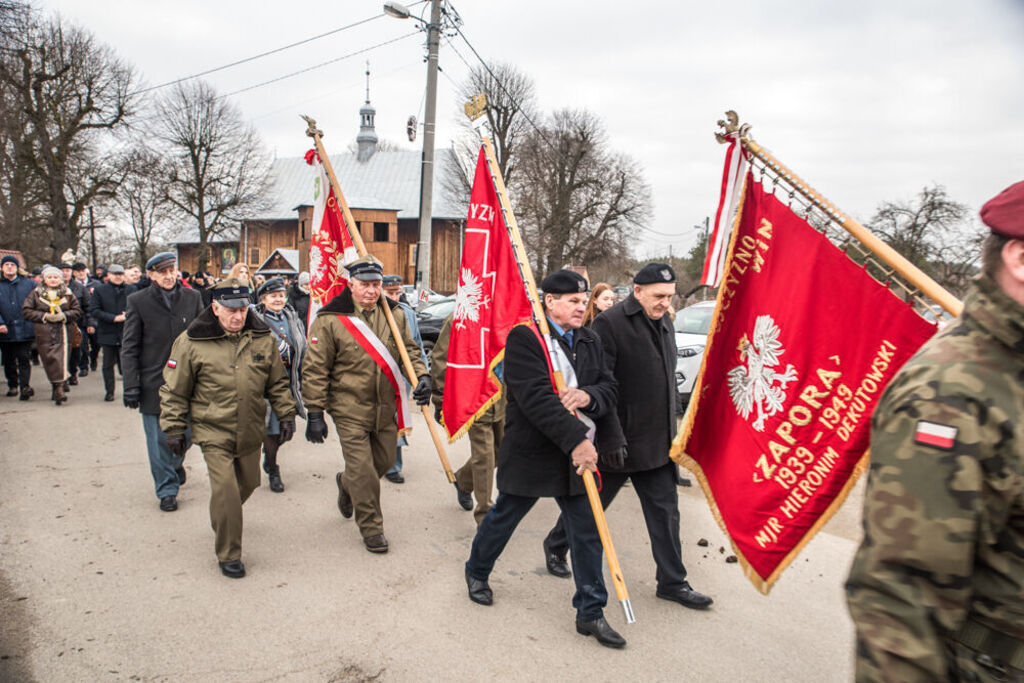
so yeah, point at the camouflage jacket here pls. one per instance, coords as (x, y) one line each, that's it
(943, 547)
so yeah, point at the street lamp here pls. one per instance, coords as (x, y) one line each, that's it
(400, 11)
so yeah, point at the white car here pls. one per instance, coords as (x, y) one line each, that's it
(692, 325)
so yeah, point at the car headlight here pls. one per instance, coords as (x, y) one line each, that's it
(690, 351)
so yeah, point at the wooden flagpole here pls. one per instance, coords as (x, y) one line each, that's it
(890, 256)
(474, 109)
(350, 224)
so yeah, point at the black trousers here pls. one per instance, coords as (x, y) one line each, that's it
(83, 351)
(111, 357)
(659, 500)
(501, 520)
(17, 366)
(94, 350)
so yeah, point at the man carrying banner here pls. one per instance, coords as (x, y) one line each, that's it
(476, 477)
(351, 372)
(640, 351)
(937, 587)
(546, 448)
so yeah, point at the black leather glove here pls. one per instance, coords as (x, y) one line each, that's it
(421, 394)
(437, 414)
(176, 444)
(288, 431)
(131, 398)
(614, 460)
(316, 428)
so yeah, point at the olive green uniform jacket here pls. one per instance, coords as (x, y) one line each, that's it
(438, 366)
(221, 380)
(942, 562)
(339, 376)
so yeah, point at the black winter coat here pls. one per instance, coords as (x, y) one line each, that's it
(149, 330)
(81, 292)
(534, 458)
(299, 300)
(641, 354)
(107, 302)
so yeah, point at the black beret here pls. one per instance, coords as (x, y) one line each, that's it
(65, 265)
(274, 284)
(78, 265)
(653, 273)
(564, 282)
(162, 260)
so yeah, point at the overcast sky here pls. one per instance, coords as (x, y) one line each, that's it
(868, 101)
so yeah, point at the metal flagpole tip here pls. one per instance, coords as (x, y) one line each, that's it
(627, 608)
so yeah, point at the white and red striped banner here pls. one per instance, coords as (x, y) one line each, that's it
(728, 203)
(372, 344)
(331, 248)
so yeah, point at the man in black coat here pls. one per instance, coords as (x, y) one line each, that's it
(109, 304)
(640, 350)
(546, 448)
(154, 319)
(79, 286)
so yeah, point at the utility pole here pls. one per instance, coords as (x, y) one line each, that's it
(427, 171)
(92, 236)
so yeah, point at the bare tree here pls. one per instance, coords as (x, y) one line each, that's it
(217, 169)
(63, 95)
(576, 200)
(933, 232)
(511, 102)
(144, 198)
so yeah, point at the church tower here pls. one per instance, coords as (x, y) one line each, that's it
(367, 138)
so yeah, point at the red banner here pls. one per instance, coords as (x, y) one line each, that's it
(490, 301)
(803, 343)
(331, 247)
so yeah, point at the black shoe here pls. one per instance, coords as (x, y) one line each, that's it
(600, 629)
(169, 503)
(92, 366)
(376, 543)
(465, 499)
(556, 563)
(233, 569)
(394, 477)
(686, 596)
(83, 372)
(13, 391)
(181, 476)
(479, 591)
(27, 393)
(344, 501)
(108, 397)
(276, 485)
(73, 380)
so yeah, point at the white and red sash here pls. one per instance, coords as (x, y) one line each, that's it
(373, 346)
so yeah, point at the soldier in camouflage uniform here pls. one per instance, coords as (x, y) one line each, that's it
(937, 587)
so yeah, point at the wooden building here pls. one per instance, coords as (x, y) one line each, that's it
(382, 189)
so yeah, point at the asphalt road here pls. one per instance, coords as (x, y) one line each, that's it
(97, 584)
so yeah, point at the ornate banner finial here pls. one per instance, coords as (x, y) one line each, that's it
(311, 129)
(731, 126)
(475, 109)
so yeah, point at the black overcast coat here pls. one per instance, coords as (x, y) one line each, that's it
(106, 303)
(534, 457)
(641, 354)
(150, 327)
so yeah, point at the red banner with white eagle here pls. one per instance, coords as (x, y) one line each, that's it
(802, 345)
(331, 247)
(490, 301)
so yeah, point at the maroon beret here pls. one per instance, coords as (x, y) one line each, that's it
(1004, 213)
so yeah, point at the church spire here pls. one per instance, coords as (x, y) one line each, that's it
(367, 138)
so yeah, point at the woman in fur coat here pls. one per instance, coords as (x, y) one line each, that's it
(54, 310)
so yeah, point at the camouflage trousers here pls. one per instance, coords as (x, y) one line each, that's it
(972, 666)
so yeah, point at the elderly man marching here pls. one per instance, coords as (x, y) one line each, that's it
(351, 371)
(219, 372)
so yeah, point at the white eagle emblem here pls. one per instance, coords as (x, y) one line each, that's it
(469, 299)
(757, 383)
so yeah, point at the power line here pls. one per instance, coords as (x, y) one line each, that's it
(265, 54)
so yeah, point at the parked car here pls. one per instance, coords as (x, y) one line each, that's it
(692, 325)
(431, 318)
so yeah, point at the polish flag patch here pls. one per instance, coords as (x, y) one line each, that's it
(172, 364)
(313, 340)
(934, 434)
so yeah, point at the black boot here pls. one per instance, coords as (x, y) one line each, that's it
(57, 395)
(270, 446)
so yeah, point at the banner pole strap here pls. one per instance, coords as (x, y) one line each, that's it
(890, 256)
(542, 323)
(357, 239)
